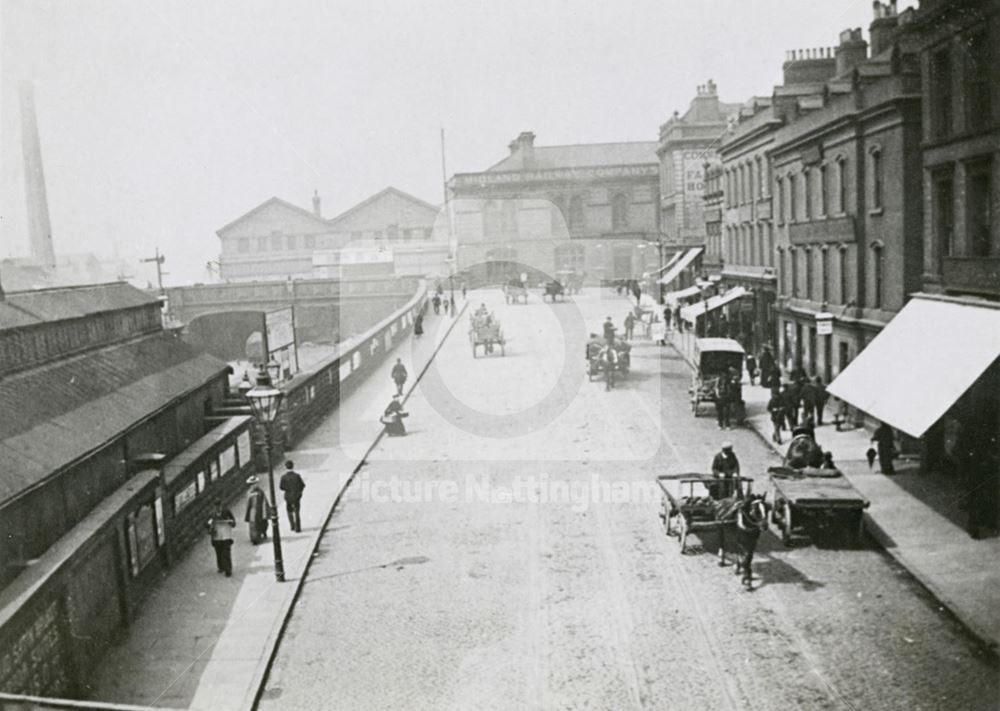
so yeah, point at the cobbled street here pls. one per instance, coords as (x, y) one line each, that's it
(508, 554)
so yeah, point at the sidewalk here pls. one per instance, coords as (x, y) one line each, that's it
(959, 571)
(204, 641)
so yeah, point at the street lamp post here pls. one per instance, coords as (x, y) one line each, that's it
(265, 402)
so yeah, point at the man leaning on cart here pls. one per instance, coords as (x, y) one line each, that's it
(726, 468)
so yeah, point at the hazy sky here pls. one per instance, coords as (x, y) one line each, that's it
(162, 121)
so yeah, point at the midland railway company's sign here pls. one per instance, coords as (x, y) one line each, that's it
(567, 174)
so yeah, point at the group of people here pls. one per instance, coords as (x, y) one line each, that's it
(222, 522)
(799, 402)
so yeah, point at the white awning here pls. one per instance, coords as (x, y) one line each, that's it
(692, 312)
(915, 369)
(672, 297)
(672, 261)
(681, 264)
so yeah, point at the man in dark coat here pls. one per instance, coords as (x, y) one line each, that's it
(292, 484)
(765, 362)
(609, 330)
(885, 443)
(723, 400)
(791, 395)
(776, 408)
(221, 526)
(819, 398)
(726, 468)
(629, 325)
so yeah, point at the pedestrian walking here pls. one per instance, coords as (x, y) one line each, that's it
(885, 443)
(609, 330)
(820, 398)
(723, 394)
(256, 513)
(436, 302)
(221, 526)
(766, 364)
(399, 375)
(291, 483)
(464, 289)
(392, 417)
(418, 324)
(776, 408)
(791, 395)
(451, 303)
(629, 326)
(658, 332)
(666, 318)
(725, 468)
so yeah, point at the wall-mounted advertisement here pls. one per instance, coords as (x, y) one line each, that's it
(279, 327)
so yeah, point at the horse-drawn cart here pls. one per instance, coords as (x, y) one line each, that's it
(713, 357)
(814, 498)
(690, 502)
(553, 289)
(485, 331)
(514, 291)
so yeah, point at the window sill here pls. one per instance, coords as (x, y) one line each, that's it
(876, 211)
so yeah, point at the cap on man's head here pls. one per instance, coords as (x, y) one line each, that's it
(727, 445)
(289, 464)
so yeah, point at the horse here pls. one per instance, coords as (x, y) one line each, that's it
(803, 451)
(747, 516)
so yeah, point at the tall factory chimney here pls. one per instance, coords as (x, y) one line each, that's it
(39, 229)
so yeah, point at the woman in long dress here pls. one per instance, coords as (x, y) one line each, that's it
(393, 416)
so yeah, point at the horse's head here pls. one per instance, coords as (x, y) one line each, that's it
(754, 511)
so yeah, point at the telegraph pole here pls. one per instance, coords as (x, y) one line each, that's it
(159, 259)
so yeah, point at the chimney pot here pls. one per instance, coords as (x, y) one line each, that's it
(316, 204)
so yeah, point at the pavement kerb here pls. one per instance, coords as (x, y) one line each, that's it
(884, 541)
(256, 687)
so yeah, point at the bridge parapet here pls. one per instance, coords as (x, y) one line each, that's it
(288, 292)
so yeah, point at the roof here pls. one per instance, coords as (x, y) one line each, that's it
(22, 308)
(58, 413)
(268, 203)
(719, 344)
(378, 196)
(581, 155)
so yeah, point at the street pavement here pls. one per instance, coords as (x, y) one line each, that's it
(204, 641)
(508, 554)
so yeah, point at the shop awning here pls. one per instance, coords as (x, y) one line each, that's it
(671, 262)
(673, 297)
(692, 312)
(681, 264)
(921, 362)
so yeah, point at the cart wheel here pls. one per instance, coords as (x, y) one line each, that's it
(786, 523)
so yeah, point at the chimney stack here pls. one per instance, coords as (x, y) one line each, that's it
(525, 145)
(39, 228)
(808, 66)
(883, 27)
(316, 204)
(851, 51)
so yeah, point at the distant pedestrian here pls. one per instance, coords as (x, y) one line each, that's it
(418, 325)
(791, 395)
(885, 443)
(292, 484)
(629, 326)
(666, 318)
(820, 398)
(658, 332)
(609, 330)
(751, 367)
(436, 302)
(399, 375)
(256, 513)
(766, 364)
(723, 401)
(451, 302)
(464, 289)
(776, 408)
(221, 526)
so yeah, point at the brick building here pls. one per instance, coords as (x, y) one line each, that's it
(847, 195)
(588, 208)
(279, 240)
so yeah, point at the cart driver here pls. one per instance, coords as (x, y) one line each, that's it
(726, 467)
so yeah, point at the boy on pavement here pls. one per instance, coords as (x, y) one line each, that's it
(221, 526)
(292, 484)
(399, 375)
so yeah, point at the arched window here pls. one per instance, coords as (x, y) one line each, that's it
(577, 218)
(878, 274)
(841, 184)
(779, 191)
(782, 272)
(491, 220)
(878, 179)
(619, 212)
(761, 190)
(793, 258)
(824, 273)
(845, 297)
(824, 176)
(807, 185)
(792, 187)
(808, 266)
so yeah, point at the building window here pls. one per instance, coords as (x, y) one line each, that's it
(262, 244)
(243, 245)
(780, 195)
(823, 189)
(577, 219)
(770, 244)
(878, 273)
(392, 233)
(878, 179)
(310, 241)
(619, 212)
(793, 257)
(941, 93)
(842, 185)
(824, 273)
(407, 235)
(428, 233)
(979, 71)
(741, 192)
(791, 197)
(291, 242)
(978, 212)
(782, 272)
(277, 241)
(943, 205)
(842, 269)
(570, 256)
(760, 178)
(807, 188)
(752, 183)
(808, 267)
(558, 216)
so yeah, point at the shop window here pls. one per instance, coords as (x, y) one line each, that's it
(979, 219)
(943, 205)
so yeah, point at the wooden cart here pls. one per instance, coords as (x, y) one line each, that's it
(688, 503)
(817, 498)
